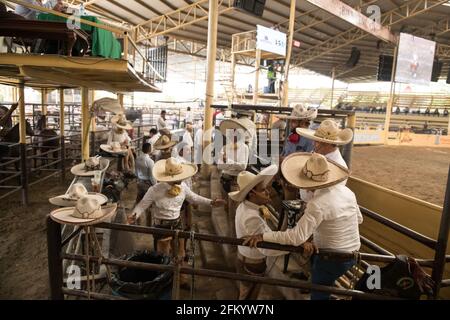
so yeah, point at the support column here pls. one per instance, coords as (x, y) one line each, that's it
(211, 64)
(93, 123)
(23, 144)
(391, 98)
(256, 84)
(44, 101)
(62, 133)
(85, 123)
(233, 70)
(120, 98)
(333, 77)
(448, 128)
(285, 97)
(348, 148)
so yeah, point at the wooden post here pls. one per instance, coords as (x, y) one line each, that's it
(85, 123)
(233, 70)
(285, 97)
(23, 144)
(125, 46)
(120, 98)
(255, 88)
(448, 128)
(391, 98)
(93, 123)
(348, 148)
(333, 75)
(62, 133)
(211, 63)
(55, 266)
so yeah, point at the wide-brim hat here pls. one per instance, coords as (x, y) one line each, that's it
(328, 132)
(108, 104)
(232, 124)
(108, 148)
(64, 215)
(159, 171)
(299, 112)
(292, 170)
(79, 169)
(264, 176)
(119, 120)
(65, 201)
(164, 142)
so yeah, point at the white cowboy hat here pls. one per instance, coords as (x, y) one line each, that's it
(312, 171)
(299, 112)
(328, 132)
(172, 170)
(164, 142)
(247, 181)
(232, 124)
(75, 192)
(88, 168)
(115, 148)
(120, 121)
(87, 211)
(108, 104)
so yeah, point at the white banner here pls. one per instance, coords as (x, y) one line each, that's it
(414, 60)
(270, 40)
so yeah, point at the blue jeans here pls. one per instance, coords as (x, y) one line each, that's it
(326, 272)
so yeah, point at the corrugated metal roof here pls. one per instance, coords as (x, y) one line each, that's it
(277, 12)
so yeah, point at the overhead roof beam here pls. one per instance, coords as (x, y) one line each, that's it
(408, 10)
(178, 19)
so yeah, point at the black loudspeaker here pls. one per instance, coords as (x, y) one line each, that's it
(255, 7)
(385, 66)
(448, 75)
(437, 69)
(354, 58)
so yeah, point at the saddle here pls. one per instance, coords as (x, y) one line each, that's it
(402, 278)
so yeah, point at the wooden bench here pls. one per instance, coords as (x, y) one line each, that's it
(33, 29)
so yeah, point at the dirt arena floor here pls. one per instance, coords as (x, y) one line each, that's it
(23, 244)
(415, 171)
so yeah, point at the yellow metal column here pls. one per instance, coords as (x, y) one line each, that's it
(211, 63)
(44, 101)
(91, 102)
(333, 75)
(285, 97)
(22, 124)
(85, 123)
(255, 88)
(61, 112)
(391, 98)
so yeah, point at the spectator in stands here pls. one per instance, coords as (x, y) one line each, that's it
(436, 112)
(31, 14)
(332, 217)
(271, 77)
(397, 110)
(427, 111)
(445, 112)
(162, 124)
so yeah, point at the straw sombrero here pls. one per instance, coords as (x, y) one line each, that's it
(75, 192)
(114, 148)
(312, 171)
(87, 211)
(247, 181)
(299, 112)
(88, 168)
(108, 104)
(328, 132)
(164, 142)
(120, 121)
(231, 124)
(172, 170)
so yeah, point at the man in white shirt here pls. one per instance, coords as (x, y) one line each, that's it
(332, 216)
(31, 14)
(250, 220)
(144, 167)
(327, 138)
(161, 124)
(188, 118)
(153, 137)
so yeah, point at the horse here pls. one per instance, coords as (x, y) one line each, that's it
(41, 138)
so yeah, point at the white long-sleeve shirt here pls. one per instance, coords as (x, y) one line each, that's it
(144, 167)
(161, 124)
(332, 216)
(236, 159)
(122, 138)
(31, 14)
(164, 206)
(248, 222)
